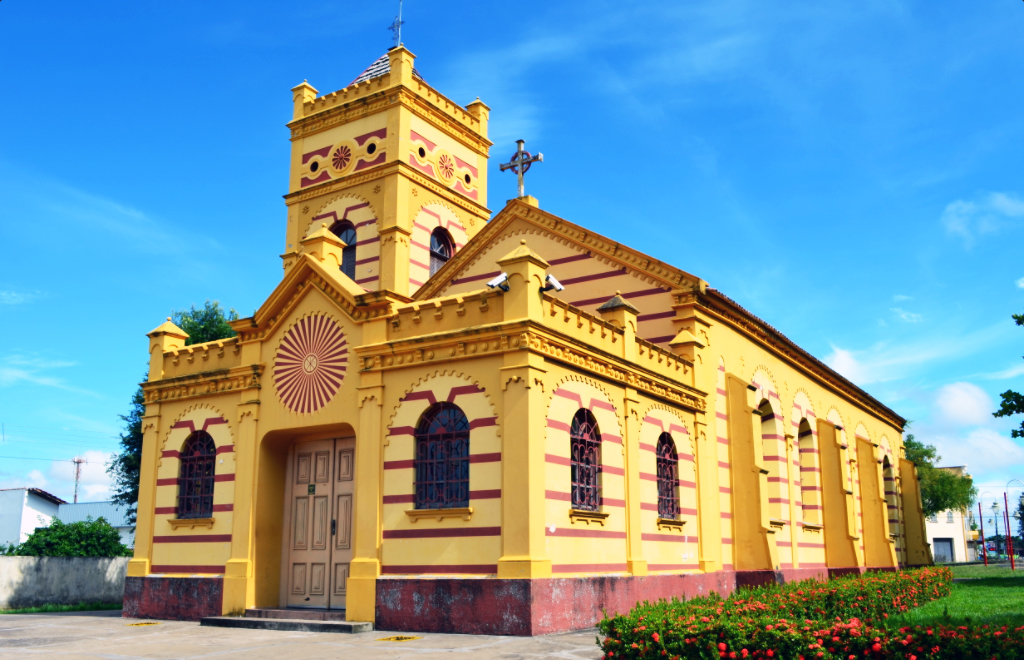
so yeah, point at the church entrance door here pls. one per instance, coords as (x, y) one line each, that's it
(322, 478)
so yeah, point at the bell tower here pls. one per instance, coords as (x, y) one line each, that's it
(394, 168)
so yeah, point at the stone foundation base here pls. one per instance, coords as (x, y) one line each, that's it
(179, 599)
(536, 607)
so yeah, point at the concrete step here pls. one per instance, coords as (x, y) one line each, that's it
(294, 614)
(294, 625)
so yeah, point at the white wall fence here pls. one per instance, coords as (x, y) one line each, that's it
(35, 581)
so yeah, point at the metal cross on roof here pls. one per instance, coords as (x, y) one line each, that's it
(521, 161)
(396, 26)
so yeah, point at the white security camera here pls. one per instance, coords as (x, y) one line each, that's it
(499, 282)
(552, 283)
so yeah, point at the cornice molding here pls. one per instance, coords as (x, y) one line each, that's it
(379, 172)
(388, 97)
(203, 384)
(484, 341)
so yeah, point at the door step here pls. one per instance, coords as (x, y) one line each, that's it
(294, 625)
(294, 614)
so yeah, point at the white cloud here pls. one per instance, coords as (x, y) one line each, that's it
(889, 361)
(94, 484)
(964, 404)
(908, 317)
(899, 297)
(1020, 283)
(16, 297)
(16, 369)
(1012, 372)
(986, 453)
(972, 219)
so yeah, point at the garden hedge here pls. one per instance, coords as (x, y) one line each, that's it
(843, 619)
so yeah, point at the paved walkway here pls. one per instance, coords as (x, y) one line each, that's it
(106, 635)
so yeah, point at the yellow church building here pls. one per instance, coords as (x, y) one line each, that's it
(446, 421)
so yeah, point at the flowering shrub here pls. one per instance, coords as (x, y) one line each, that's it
(844, 619)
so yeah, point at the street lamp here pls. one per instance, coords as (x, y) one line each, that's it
(995, 517)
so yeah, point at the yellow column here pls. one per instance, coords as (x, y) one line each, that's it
(361, 586)
(522, 469)
(635, 563)
(523, 427)
(139, 565)
(239, 584)
(709, 509)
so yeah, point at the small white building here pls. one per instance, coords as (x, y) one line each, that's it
(949, 531)
(24, 509)
(116, 516)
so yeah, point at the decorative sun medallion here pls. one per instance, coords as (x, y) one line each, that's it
(341, 157)
(446, 167)
(310, 364)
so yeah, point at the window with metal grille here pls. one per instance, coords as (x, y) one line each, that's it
(195, 481)
(668, 478)
(347, 233)
(442, 458)
(441, 249)
(585, 461)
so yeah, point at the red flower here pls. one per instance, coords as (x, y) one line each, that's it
(721, 646)
(876, 647)
(655, 637)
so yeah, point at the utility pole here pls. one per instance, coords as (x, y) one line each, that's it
(78, 474)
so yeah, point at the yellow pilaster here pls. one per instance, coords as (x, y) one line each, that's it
(239, 585)
(139, 565)
(522, 469)
(635, 562)
(361, 586)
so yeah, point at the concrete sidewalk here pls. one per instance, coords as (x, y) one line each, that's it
(106, 635)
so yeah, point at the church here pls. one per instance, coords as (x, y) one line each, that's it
(445, 421)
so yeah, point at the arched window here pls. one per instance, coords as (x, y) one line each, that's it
(347, 233)
(810, 474)
(441, 249)
(585, 461)
(195, 481)
(442, 458)
(668, 478)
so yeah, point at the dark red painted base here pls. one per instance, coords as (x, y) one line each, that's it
(537, 607)
(179, 599)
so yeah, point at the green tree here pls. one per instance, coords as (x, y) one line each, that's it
(940, 489)
(207, 323)
(1013, 402)
(91, 538)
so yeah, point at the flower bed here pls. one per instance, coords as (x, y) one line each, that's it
(843, 619)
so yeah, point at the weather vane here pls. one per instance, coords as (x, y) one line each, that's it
(521, 161)
(396, 27)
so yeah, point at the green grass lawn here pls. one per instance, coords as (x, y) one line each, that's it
(994, 596)
(79, 607)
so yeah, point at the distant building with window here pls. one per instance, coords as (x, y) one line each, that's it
(24, 509)
(446, 420)
(949, 532)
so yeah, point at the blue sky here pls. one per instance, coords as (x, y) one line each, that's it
(851, 172)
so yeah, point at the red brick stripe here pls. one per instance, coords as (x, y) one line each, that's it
(485, 458)
(194, 538)
(171, 568)
(669, 538)
(567, 260)
(441, 533)
(588, 568)
(672, 567)
(584, 533)
(556, 495)
(472, 569)
(398, 465)
(481, 422)
(557, 460)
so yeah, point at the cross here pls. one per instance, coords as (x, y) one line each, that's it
(521, 161)
(396, 27)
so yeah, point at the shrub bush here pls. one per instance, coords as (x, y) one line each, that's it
(90, 538)
(844, 619)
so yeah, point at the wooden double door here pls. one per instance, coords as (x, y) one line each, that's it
(319, 529)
